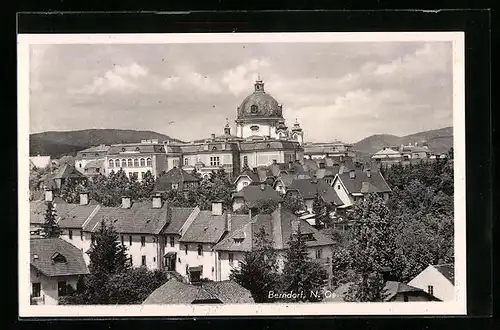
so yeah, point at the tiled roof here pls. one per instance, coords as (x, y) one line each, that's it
(310, 188)
(263, 173)
(329, 171)
(252, 194)
(175, 175)
(67, 171)
(387, 152)
(392, 288)
(135, 148)
(206, 228)
(375, 183)
(68, 215)
(178, 216)
(101, 148)
(140, 218)
(277, 225)
(254, 177)
(448, 271)
(43, 249)
(176, 292)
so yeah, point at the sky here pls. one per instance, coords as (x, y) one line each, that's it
(337, 91)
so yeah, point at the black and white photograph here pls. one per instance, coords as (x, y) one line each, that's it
(241, 174)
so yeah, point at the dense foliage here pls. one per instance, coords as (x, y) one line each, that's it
(50, 227)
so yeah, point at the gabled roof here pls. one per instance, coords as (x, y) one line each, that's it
(100, 148)
(362, 183)
(252, 194)
(277, 225)
(392, 288)
(67, 171)
(136, 148)
(175, 175)
(43, 249)
(310, 188)
(39, 161)
(448, 271)
(68, 215)
(176, 292)
(254, 177)
(386, 152)
(263, 173)
(140, 218)
(178, 216)
(328, 171)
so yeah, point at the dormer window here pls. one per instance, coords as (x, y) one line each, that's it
(253, 108)
(307, 237)
(238, 241)
(58, 258)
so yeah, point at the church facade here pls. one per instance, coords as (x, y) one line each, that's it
(261, 138)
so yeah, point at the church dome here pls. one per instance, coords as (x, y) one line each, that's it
(259, 104)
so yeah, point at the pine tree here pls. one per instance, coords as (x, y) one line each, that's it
(302, 275)
(258, 271)
(50, 227)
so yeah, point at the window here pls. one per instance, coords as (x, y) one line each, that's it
(338, 187)
(245, 160)
(143, 261)
(405, 298)
(175, 186)
(136, 162)
(81, 235)
(175, 163)
(172, 241)
(200, 249)
(186, 248)
(430, 289)
(70, 234)
(117, 163)
(111, 163)
(318, 253)
(186, 161)
(143, 162)
(61, 288)
(143, 240)
(35, 289)
(124, 163)
(214, 161)
(129, 162)
(245, 184)
(97, 170)
(84, 155)
(148, 161)
(253, 108)
(122, 240)
(130, 240)
(80, 165)
(231, 258)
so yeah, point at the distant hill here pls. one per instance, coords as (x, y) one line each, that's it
(438, 140)
(57, 144)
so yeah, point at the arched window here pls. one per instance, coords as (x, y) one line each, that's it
(143, 162)
(124, 163)
(117, 163)
(253, 108)
(111, 163)
(186, 161)
(129, 162)
(148, 161)
(136, 162)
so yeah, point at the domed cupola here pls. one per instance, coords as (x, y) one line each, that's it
(259, 104)
(296, 127)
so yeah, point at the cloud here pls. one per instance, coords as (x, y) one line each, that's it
(119, 79)
(239, 78)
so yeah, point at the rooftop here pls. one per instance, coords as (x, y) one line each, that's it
(364, 183)
(448, 271)
(44, 250)
(253, 194)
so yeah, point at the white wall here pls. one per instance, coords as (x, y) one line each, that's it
(224, 267)
(238, 202)
(264, 130)
(342, 193)
(262, 158)
(192, 259)
(443, 289)
(136, 250)
(81, 243)
(48, 286)
(242, 183)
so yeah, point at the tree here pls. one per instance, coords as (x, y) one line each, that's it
(371, 249)
(50, 227)
(293, 203)
(322, 210)
(134, 285)
(302, 275)
(266, 206)
(258, 271)
(70, 192)
(146, 186)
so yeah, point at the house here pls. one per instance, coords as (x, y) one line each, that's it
(327, 173)
(176, 292)
(198, 236)
(250, 196)
(91, 159)
(39, 162)
(353, 185)
(247, 177)
(414, 152)
(284, 181)
(54, 266)
(437, 280)
(176, 179)
(309, 189)
(279, 225)
(387, 156)
(64, 174)
(93, 168)
(393, 291)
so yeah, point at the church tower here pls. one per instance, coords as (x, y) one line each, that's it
(297, 132)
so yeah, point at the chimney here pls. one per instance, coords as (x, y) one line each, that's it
(217, 208)
(49, 194)
(280, 204)
(84, 198)
(126, 202)
(229, 221)
(368, 173)
(352, 174)
(262, 186)
(157, 201)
